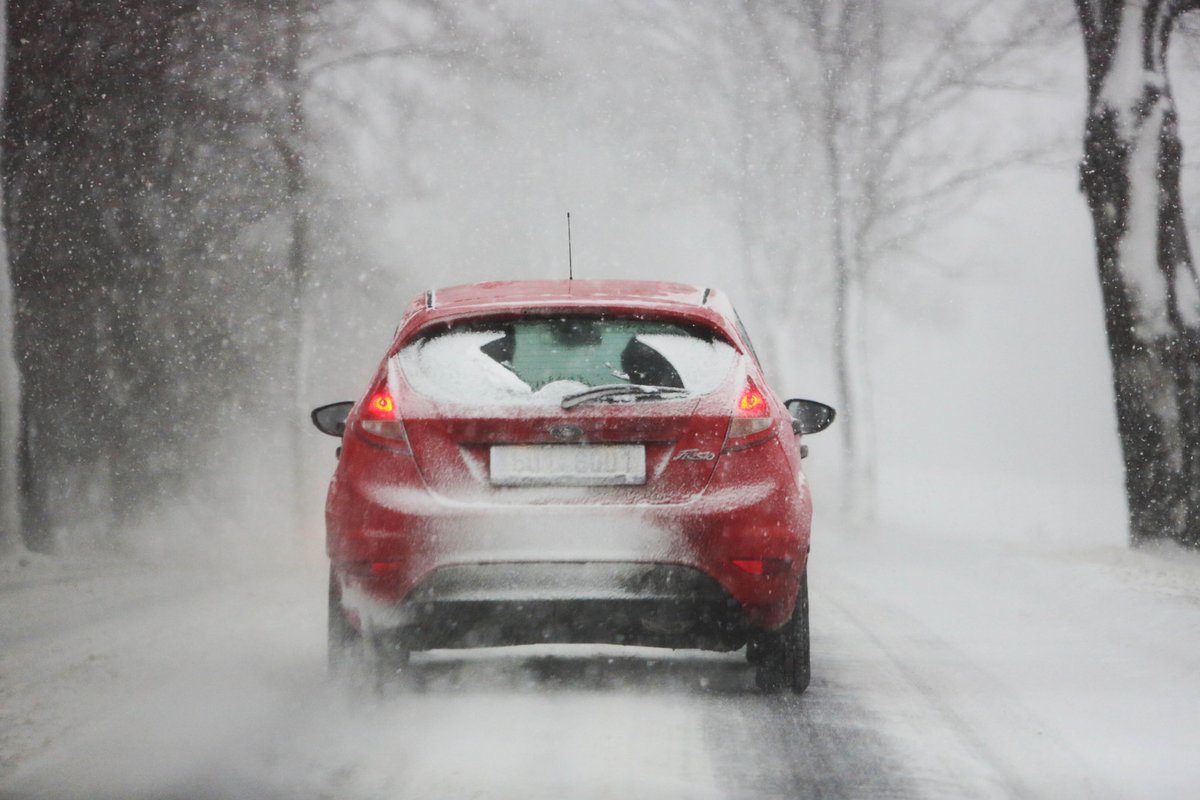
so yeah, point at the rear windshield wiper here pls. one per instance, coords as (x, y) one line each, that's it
(613, 390)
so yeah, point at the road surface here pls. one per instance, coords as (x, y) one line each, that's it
(941, 669)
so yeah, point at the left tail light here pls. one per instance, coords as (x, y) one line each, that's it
(379, 418)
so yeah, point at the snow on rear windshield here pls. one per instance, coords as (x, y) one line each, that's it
(543, 359)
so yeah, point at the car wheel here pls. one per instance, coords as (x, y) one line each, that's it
(362, 661)
(344, 642)
(784, 656)
(756, 648)
(388, 658)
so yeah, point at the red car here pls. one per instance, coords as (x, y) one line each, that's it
(571, 461)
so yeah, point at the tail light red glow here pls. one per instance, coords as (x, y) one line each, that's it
(751, 415)
(379, 417)
(752, 403)
(381, 405)
(763, 566)
(373, 569)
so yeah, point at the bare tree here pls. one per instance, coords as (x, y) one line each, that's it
(10, 376)
(314, 72)
(289, 136)
(878, 101)
(1130, 174)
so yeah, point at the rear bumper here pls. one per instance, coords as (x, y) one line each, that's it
(481, 605)
(389, 539)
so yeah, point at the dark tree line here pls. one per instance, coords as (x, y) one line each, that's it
(146, 206)
(167, 226)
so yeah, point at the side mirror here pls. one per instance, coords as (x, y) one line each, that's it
(331, 419)
(809, 416)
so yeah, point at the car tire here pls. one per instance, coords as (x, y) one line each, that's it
(361, 661)
(755, 649)
(388, 658)
(344, 641)
(784, 654)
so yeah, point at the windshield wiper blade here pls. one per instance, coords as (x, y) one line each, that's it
(608, 390)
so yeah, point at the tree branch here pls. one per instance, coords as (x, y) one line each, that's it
(434, 53)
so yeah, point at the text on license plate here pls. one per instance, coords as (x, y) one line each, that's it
(568, 465)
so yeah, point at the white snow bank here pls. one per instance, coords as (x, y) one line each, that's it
(1040, 670)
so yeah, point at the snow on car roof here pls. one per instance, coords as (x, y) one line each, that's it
(678, 299)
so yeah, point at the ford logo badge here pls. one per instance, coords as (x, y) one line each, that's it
(566, 433)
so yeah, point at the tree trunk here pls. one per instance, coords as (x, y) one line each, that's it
(296, 192)
(1130, 175)
(837, 50)
(842, 314)
(10, 376)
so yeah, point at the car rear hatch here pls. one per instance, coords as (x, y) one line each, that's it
(565, 409)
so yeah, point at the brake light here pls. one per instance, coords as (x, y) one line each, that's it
(381, 405)
(379, 417)
(751, 415)
(752, 403)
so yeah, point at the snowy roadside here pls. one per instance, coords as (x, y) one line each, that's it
(83, 640)
(1053, 670)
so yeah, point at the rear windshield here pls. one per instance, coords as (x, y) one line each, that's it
(544, 359)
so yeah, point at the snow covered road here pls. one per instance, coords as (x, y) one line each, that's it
(941, 669)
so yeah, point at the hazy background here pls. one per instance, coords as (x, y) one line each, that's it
(444, 143)
(991, 379)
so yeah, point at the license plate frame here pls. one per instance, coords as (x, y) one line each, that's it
(568, 465)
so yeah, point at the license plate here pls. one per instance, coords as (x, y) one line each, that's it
(568, 465)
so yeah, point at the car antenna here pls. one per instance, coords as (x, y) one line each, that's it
(570, 261)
